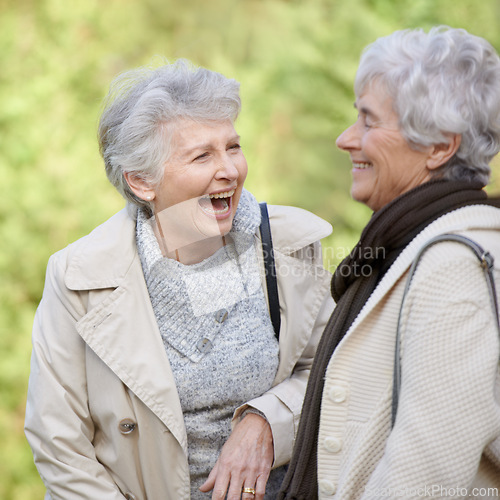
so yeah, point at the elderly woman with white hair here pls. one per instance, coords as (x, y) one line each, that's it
(153, 338)
(403, 398)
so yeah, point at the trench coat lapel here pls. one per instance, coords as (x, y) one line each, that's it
(121, 328)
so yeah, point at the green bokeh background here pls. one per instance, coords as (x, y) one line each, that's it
(296, 62)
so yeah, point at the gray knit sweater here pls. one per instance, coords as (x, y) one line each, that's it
(216, 330)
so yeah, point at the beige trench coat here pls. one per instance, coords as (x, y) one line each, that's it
(103, 415)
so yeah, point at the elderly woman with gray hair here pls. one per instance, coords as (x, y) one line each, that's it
(403, 398)
(153, 338)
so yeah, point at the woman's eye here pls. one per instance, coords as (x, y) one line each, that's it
(201, 157)
(235, 146)
(366, 122)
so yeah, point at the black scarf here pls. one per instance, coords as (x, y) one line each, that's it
(388, 232)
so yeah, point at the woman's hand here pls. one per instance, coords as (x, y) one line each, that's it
(244, 461)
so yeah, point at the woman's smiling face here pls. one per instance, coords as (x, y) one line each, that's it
(384, 164)
(202, 180)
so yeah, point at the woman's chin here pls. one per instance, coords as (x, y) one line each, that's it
(225, 226)
(211, 225)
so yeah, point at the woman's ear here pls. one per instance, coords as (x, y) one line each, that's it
(139, 186)
(441, 153)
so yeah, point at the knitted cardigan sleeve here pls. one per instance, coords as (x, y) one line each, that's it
(447, 411)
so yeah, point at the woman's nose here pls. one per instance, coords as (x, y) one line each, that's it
(348, 139)
(227, 169)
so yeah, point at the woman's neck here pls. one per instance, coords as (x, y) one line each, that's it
(195, 252)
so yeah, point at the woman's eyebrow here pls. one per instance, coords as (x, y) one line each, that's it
(193, 149)
(205, 145)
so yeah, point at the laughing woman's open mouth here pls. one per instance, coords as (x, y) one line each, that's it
(217, 205)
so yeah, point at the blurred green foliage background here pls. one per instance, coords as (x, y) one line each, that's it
(296, 62)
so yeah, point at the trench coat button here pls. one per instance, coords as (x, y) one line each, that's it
(332, 444)
(130, 496)
(126, 426)
(327, 487)
(221, 315)
(204, 346)
(337, 394)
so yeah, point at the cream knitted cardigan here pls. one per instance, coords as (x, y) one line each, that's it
(447, 411)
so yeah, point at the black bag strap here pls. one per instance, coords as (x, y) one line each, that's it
(486, 261)
(270, 270)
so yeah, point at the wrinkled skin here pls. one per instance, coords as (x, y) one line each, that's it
(245, 461)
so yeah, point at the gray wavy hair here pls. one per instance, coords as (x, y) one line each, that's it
(135, 127)
(443, 82)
